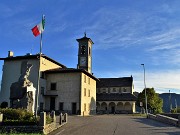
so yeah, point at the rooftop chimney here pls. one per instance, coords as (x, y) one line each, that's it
(10, 54)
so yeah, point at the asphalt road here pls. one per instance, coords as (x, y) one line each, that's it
(115, 125)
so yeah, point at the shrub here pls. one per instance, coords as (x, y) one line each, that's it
(16, 114)
(175, 110)
(48, 119)
(4, 105)
(17, 117)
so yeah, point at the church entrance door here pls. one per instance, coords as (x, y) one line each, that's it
(52, 103)
(74, 108)
(113, 109)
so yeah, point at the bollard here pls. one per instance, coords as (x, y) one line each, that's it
(53, 116)
(60, 119)
(42, 119)
(65, 117)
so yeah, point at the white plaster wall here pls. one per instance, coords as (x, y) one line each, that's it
(12, 72)
(68, 89)
(46, 64)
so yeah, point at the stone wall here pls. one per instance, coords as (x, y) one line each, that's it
(42, 128)
(173, 115)
(21, 129)
(164, 119)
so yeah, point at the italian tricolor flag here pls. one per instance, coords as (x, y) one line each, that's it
(38, 29)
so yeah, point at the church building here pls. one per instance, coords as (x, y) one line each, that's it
(71, 90)
(60, 88)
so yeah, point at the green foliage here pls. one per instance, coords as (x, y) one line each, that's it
(174, 110)
(4, 105)
(154, 102)
(16, 114)
(17, 117)
(48, 119)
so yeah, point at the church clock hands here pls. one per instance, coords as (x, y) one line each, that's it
(83, 61)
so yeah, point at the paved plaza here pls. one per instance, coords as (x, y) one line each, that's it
(115, 125)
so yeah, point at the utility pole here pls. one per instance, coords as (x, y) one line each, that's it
(146, 110)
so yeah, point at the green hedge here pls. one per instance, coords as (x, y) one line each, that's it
(18, 117)
(48, 119)
(175, 110)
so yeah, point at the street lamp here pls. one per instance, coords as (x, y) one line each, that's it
(145, 90)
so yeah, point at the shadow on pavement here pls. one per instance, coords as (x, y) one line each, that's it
(158, 127)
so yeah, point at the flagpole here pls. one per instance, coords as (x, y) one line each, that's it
(39, 72)
(38, 82)
(38, 29)
(41, 44)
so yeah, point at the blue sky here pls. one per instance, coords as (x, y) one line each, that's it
(126, 33)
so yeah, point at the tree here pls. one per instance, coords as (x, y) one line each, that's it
(154, 102)
(4, 105)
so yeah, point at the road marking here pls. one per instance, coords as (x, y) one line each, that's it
(60, 132)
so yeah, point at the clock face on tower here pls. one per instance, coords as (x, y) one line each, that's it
(83, 61)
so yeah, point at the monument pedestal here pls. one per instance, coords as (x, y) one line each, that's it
(25, 101)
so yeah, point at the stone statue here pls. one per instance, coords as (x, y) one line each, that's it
(22, 92)
(25, 73)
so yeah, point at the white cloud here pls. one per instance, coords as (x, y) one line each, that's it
(160, 80)
(126, 27)
(166, 46)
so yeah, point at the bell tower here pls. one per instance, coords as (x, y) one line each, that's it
(85, 53)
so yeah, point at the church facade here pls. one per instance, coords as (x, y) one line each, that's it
(71, 90)
(115, 95)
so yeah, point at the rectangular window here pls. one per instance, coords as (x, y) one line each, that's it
(42, 90)
(109, 90)
(89, 80)
(42, 75)
(85, 78)
(61, 106)
(119, 90)
(84, 91)
(104, 90)
(84, 106)
(88, 93)
(41, 106)
(53, 86)
(114, 89)
(124, 90)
